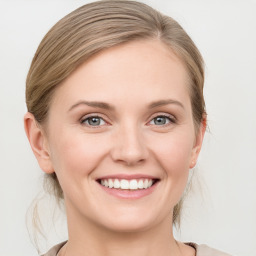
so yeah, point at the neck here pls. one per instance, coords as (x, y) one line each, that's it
(86, 238)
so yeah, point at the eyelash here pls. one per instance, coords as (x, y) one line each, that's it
(87, 118)
(171, 120)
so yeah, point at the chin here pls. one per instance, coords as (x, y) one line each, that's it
(130, 221)
(129, 226)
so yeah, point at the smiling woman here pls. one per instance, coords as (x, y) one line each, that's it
(116, 119)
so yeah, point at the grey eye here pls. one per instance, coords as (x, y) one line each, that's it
(160, 120)
(94, 121)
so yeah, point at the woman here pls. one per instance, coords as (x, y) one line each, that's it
(116, 119)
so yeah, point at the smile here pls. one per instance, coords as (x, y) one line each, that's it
(124, 184)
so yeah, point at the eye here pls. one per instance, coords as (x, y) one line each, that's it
(161, 120)
(93, 121)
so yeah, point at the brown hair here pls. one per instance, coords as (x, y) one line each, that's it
(93, 28)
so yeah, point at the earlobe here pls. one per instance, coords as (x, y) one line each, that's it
(198, 144)
(38, 142)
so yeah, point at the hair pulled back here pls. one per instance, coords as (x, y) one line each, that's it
(91, 29)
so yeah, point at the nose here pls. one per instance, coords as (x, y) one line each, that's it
(129, 146)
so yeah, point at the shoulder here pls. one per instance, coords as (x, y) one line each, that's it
(54, 250)
(204, 250)
(201, 250)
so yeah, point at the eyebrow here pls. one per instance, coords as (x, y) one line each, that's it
(164, 102)
(95, 104)
(103, 105)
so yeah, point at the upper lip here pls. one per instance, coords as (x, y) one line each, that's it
(128, 176)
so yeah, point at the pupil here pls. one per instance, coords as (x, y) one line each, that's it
(160, 120)
(94, 121)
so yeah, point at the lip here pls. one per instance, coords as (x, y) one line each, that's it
(128, 177)
(129, 194)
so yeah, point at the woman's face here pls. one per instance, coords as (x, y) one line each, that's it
(123, 118)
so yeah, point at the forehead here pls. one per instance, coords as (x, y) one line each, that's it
(145, 68)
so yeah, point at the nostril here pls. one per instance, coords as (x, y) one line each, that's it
(129, 149)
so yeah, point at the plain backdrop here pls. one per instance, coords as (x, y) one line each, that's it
(220, 212)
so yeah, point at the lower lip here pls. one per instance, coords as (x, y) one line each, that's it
(129, 194)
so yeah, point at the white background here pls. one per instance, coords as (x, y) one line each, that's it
(223, 214)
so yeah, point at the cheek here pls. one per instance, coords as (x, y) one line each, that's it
(175, 160)
(75, 155)
(174, 152)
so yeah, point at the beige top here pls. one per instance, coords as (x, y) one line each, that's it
(201, 250)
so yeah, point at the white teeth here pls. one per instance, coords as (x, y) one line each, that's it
(140, 184)
(127, 184)
(110, 183)
(145, 185)
(133, 184)
(116, 184)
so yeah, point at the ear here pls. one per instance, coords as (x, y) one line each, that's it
(198, 143)
(38, 142)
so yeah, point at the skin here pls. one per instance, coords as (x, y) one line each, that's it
(127, 140)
